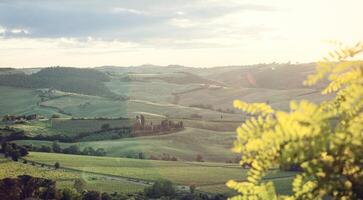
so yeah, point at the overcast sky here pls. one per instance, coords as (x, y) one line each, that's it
(200, 33)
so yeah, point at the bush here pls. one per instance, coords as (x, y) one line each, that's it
(55, 116)
(161, 188)
(56, 165)
(199, 158)
(324, 140)
(79, 185)
(152, 157)
(141, 155)
(92, 195)
(70, 194)
(105, 126)
(192, 189)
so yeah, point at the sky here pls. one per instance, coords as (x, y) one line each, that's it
(196, 33)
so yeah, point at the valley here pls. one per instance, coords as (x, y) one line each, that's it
(199, 153)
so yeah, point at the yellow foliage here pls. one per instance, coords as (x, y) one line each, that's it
(324, 139)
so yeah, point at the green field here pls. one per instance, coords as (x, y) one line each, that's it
(27, 101)
(204, 175)
(157, 93)
(65, 178)
(21, 101)
(186, 145)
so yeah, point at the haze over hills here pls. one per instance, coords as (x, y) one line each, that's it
(207, 91)
(78, 103)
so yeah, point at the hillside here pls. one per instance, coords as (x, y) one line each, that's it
(66, 178)
(185, 145)
(206, 176)
(172, 91)
(83, 81)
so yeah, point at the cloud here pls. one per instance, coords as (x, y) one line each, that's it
(15, 32)
(129, 20)
(127, 10)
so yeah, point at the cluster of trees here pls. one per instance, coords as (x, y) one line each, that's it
(12, 118)
(28, 187)
(164, 189)
(164, 156)
(8, 132)
(13, 150)
(14, 134)
(83, 81)
(141, 126)
(73, 149)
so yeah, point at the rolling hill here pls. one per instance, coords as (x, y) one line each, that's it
(185, 145)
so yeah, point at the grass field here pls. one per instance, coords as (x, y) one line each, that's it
(158, 91)
(65, 178)
(91, 106)
(21, 101)
(186, 145)
(26, 101)
(209, 177)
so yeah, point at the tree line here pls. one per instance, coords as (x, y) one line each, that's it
(73, 149)
(142, 126)
(13, 118)
(28, 187)
(13, 150)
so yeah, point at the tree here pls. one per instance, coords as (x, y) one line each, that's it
(23, 151)
(44, 148)
(192, 188)
(26, 187)
(105, 126)
(100, 152)
(325, 139)
(79, 185)
(73, 149)
(14, 154)
(142, 121)
(141, 155)
(199, 158)
(4, 147)
(56, 147)
(54, 116)
(92, 195)
(88, 151)
(105, 196)
(56, 165)
(70, 194)
(161, 188)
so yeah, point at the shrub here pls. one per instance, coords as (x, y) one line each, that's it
(199, 158)
(325, 140)
(56, 165)
(141, 155)
(192, 189)
(55, 116)
(92, 195)
(152, 157)
(70, 194)
(79, 185)
(105, 126)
